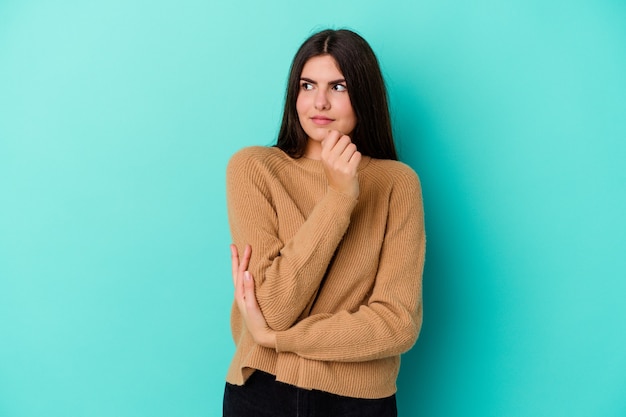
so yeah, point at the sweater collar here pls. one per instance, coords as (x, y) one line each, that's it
(315, 165)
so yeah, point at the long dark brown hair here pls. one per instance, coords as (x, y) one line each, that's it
(366, 88)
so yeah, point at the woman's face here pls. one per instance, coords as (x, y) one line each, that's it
(323, 102)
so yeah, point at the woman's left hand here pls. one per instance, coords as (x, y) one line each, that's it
(246, 299)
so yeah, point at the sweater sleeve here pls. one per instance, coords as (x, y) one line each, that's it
(287, 273)
(389, 323)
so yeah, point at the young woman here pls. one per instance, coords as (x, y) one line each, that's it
(330, 225)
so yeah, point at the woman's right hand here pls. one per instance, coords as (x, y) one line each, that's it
(341, 161)
(246, 299)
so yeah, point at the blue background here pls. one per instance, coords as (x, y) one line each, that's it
(117, 119)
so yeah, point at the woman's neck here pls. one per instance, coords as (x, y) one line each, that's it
(313, 150)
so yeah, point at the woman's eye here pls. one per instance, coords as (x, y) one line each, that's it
(340, 87)
(306, 86)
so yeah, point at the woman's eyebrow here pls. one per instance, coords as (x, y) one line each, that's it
(308, 80)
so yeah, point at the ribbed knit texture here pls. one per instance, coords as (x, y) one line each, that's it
(339, 279)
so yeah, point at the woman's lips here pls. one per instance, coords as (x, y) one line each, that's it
(322, 120)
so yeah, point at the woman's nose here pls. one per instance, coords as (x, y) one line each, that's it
(321, 101)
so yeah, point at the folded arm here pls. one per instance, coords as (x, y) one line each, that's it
(287, 274)
(388, 324)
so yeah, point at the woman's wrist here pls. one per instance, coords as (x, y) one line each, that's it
(267, 339)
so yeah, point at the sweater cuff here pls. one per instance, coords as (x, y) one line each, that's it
(285, 342)
(341, 201)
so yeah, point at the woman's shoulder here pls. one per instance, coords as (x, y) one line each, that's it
(257, 156)
(260, 153)
(394, 172)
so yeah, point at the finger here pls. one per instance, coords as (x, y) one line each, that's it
(348, 152)
(336, 153)
(245, 260)
(242, 264)
(330, 140)
(239, 295)
(249, 292)
(342, 144)
(331, 136)
(356, 158)
(234, 258)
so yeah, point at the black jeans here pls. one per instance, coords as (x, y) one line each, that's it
(263, 396)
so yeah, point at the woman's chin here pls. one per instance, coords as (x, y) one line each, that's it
(318, 136)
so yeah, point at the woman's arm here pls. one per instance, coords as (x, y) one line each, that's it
(246, 299)
(390, 322)
(288, 273)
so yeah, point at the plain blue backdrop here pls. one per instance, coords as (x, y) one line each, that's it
(117, 119)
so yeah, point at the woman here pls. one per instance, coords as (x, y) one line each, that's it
(328, 291)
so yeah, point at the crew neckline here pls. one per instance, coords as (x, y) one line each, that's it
(315, 165)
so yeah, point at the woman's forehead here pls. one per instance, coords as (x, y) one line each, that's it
(322, 67)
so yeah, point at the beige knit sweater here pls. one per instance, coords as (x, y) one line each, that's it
(339, 279)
